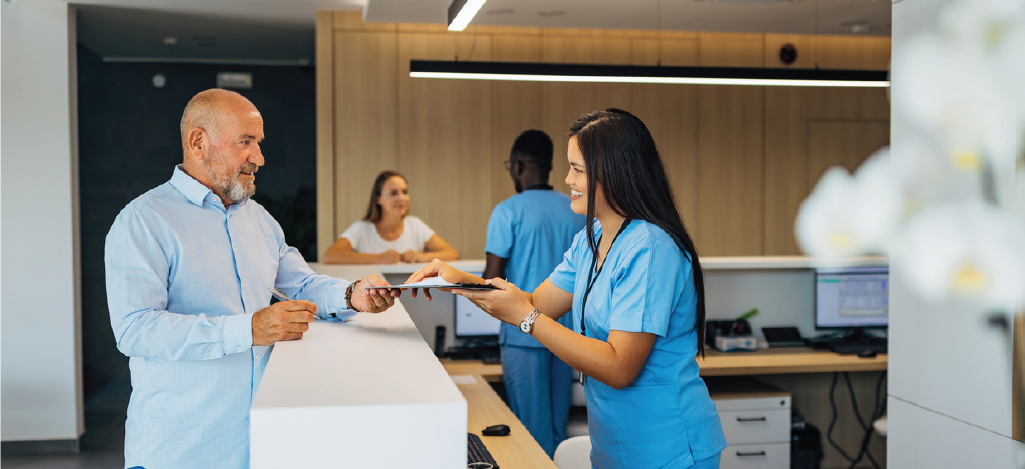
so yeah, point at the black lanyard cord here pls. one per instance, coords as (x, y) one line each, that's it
(595, 274)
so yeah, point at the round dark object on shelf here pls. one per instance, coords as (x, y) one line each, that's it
(788, 54)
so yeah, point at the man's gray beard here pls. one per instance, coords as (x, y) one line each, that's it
(237, 192)
(230, 186)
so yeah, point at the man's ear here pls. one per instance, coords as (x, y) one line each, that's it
(198, 143)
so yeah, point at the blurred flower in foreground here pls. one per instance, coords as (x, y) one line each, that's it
(847, 216)
(947, 202)
(968, 251)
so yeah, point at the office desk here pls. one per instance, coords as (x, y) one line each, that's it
(518, 449)
(785, 361)
(761, 362)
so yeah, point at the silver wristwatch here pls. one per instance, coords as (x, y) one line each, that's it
(527, 324)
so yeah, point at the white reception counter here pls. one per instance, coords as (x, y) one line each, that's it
(365, 393)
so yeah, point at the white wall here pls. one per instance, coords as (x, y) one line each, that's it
(39, 310)
(949, 373)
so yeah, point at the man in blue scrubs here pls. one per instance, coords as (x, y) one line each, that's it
(527, 236)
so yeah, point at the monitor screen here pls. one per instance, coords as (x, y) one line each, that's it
(471, 321)
(852, 297)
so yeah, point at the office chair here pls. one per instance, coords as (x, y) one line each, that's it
(574, 453)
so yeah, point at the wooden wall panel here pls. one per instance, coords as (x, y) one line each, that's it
(516, 107)
(585, 50)
(842, 143)
(324, 43)
(853, 52)
(564, 103)
(444, 135)
(366, 119)
(730, 180)
(731, 50)
(668, 52)
(671, 114)
(849, 103)
(786, 165)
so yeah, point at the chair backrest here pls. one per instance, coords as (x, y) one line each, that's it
(574, 453)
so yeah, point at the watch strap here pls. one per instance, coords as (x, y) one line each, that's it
(348, 295)
(529, 321)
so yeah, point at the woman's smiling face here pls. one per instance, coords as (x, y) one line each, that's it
(576, 179)
(394, 197)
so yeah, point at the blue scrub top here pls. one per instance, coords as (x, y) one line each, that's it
(665, 417)
(532, 229)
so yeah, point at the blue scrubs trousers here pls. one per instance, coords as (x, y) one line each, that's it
(707, 463)
(538, 385)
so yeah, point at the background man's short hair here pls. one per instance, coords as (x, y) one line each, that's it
(534, 146)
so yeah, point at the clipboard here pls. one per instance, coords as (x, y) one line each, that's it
(459, 286)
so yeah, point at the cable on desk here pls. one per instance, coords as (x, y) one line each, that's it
(877, 411)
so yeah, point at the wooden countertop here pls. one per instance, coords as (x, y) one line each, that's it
(785, 360)
(761, 362)
(485, 408)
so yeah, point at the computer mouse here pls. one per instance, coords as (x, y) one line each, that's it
(496, 430)
(867, 353)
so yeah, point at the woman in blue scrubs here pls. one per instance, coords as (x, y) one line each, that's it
(633, 285)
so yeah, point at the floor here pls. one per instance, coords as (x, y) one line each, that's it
(104, 438)
(102, 445)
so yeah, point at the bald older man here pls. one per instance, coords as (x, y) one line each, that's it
(188, 265)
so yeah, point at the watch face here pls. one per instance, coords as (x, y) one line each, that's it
(525, 327)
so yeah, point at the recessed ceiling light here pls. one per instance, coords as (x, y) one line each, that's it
(551, 13)
(857, 26)
(170, 41)
(501, 11)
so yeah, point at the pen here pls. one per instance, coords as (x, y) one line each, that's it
(279, 294)
(283, 297)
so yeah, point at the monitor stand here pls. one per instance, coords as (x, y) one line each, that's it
(854, 335)
(857, 335)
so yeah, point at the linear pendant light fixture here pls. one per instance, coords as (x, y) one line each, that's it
(521, 71)
(461, 12)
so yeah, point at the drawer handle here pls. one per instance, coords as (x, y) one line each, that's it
(760, 453)
(752, 419)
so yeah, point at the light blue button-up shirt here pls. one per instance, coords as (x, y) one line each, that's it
(184, 277)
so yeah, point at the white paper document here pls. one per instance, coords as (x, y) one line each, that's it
(438, 282)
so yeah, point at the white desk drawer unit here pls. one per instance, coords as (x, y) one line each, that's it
(756, 420)
(776, 455)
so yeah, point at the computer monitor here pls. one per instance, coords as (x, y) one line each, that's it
(852, 297)
(472, 322)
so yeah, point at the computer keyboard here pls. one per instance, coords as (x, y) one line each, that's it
(491, 358)
(852, 348)
(476, 452)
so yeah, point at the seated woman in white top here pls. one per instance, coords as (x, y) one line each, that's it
(386, 235)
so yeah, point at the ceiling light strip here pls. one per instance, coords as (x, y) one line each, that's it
(510, 71)
(467, 9)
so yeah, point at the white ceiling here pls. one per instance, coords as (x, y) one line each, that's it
(761, 16)
(282, 30)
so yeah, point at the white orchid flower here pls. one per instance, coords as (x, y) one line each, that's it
(993, 30)
(851, 215)
(964, 251)
(950, 92)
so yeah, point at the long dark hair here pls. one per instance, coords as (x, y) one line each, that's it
(620, 154)
(374, 209)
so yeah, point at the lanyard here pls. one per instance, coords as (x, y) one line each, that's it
(592, 278)
(595, 274)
